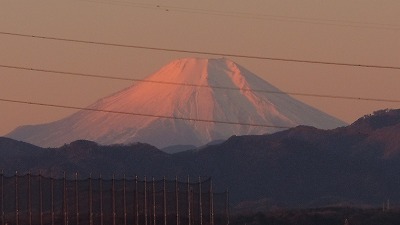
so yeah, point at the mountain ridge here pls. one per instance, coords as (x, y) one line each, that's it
(299, 167)
(195, 92)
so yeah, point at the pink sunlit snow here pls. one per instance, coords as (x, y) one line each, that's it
(201, 99)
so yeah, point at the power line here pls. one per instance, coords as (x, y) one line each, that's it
(199, 85)
(141, 114)
(279, 18)
(201, 52)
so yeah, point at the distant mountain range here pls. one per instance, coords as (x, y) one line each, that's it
(190, 101)
(300, 167)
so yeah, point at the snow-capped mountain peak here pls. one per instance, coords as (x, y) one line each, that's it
(195, 92)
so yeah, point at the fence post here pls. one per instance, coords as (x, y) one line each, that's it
(211, 205)
(165, 201)
(16, 199)
(41, 198)
(136, 200)
(90, 200)
(65, 200)
(29, 199)
(113, 199)
(177, 200)
(2, 197)
(101, 201)
(124, 193)
(227, 207)
(76, 198)
(52, 201)
(154, 202)
(188, 199)
(200, 203)
(145, 200)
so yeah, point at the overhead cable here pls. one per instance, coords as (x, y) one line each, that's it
(142, 114)
(66, 73)
(202, 52)
(248, 15)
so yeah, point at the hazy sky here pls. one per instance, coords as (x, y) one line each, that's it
(355, 31)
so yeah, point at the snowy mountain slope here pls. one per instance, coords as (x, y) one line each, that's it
(201, 99)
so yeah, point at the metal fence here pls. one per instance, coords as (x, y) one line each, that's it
(37, 200)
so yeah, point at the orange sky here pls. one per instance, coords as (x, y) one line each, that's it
(359, 31)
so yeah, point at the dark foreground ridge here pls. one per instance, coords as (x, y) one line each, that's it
(303, 167)
(321, 216)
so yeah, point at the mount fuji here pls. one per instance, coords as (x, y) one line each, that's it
(190, 101)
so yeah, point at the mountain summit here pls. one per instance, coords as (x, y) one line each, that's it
(198, 93)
